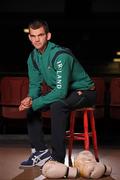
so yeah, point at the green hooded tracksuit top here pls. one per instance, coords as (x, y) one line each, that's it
(64, 75)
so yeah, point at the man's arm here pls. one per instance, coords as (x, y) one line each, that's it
(63, 66)
(35, 80)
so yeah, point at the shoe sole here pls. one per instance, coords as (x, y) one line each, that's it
(25, 166)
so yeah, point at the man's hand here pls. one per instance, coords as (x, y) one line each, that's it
(25, 104)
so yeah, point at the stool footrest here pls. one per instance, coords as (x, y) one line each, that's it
(88, 115)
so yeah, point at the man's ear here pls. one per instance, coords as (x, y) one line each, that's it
(29, 37)
(48, 36)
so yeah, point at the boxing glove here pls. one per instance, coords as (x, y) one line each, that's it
(88, 167)
(85, 156)
(54, 169)
(100, 170)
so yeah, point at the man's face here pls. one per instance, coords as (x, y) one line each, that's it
(39, 38)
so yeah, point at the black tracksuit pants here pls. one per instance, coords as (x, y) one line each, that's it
(59, 118)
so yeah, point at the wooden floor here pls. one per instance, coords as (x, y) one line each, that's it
(13, 150)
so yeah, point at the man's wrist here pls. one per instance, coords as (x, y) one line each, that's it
(30, 97)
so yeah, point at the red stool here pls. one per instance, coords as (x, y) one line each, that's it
(88, 116)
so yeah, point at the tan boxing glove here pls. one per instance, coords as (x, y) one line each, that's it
(88, 167)
(100, 170)
(54, 169)
(85, 156)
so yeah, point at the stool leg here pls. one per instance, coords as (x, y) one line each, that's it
(71, 138)
(94, 136)
(86, 134)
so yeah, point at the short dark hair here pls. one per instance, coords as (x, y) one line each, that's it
(35, 24)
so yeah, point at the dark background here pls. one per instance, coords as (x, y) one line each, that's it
(91, 28)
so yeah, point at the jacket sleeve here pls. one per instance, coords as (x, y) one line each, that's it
(63, 67)
(35, 80)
